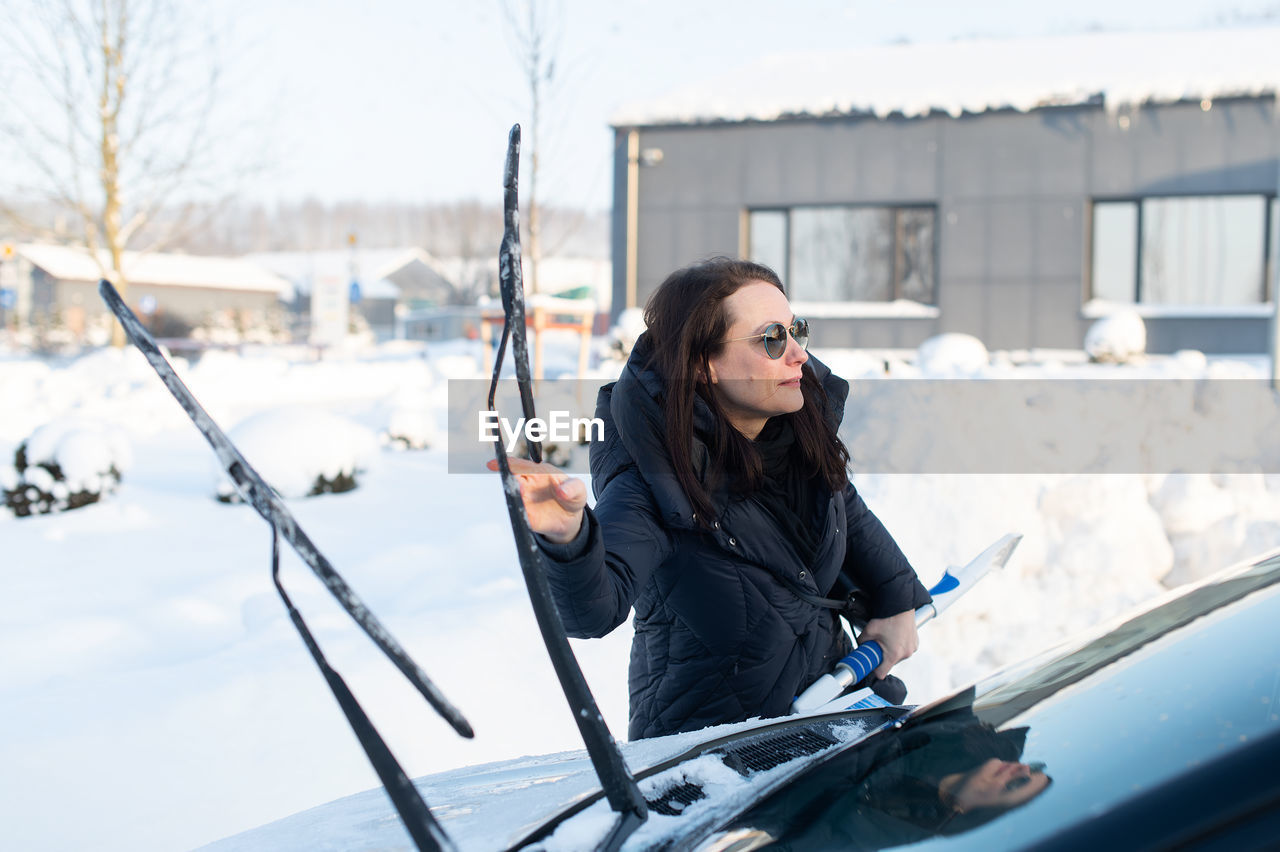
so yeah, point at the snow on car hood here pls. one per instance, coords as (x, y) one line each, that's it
(498, 804)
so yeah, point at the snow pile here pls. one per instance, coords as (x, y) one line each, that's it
(952, 355)
(624, 335)
(1117, 338)
(411, 425)
(92, 389)
(1093, 520)
(853, 364)
(1092, 548)
(1212, 520)
(301, 453)
(65, 464)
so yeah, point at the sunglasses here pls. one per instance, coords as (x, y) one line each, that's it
(775, 337)
(1037, 768)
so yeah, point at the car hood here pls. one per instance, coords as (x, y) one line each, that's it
(1189, 678)
(504, 804)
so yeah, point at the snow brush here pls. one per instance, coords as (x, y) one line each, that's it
(867, 656)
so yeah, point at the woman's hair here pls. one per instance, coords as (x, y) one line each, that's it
(687, 324)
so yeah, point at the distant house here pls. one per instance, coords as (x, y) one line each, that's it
(57, 285)
(576, 278)
(1014, 190)
(385, 279)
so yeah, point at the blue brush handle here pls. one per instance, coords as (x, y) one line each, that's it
(864, 659)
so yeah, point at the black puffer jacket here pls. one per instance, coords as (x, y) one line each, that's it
(718, 637)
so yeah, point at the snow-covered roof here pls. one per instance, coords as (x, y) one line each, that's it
(372, 266)
(556, 273)
(168, 270)
(978, 75)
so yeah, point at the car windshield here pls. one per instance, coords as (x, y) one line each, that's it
(1166, 691)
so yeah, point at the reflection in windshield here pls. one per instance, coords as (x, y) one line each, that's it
(947, 775)
(1115, 717)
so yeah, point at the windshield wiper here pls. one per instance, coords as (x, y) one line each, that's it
(414, 813)
(616, 780)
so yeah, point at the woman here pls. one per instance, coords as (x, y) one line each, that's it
(723, 511)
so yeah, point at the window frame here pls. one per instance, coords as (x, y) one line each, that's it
(896, 229)
(1268, 259)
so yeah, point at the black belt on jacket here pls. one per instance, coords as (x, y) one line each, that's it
(851, 606)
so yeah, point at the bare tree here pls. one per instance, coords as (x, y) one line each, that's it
(106, 107)
(462, 233)
(532, 28)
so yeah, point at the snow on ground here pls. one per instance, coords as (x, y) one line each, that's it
(153, 686)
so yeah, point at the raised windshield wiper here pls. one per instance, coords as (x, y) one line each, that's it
(414, 813)
(615, 779)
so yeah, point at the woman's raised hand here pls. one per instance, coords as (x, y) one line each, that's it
(553, 500)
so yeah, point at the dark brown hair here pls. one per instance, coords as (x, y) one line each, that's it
(687, 323)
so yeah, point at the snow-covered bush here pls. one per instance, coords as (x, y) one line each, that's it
(64, 465)
(302, 453)
(1116, 338)
(410, 428)
(411, 421)
(952, 355)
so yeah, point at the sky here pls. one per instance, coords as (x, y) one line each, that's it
(412, 100)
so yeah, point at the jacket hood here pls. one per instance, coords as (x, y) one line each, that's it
(632, 409)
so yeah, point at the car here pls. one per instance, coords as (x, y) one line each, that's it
(1159, 730)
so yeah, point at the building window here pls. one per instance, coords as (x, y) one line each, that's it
(1273, 250)
(767, 234)
(1208, 251)
(847, 254)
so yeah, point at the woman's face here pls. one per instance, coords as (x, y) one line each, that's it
(1000, 784)
(750, 386)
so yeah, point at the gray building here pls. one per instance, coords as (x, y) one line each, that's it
(1013, 190)
(57, 286)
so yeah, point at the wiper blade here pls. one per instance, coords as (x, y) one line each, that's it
(422, 827)
(416, 817)
(616, 780)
